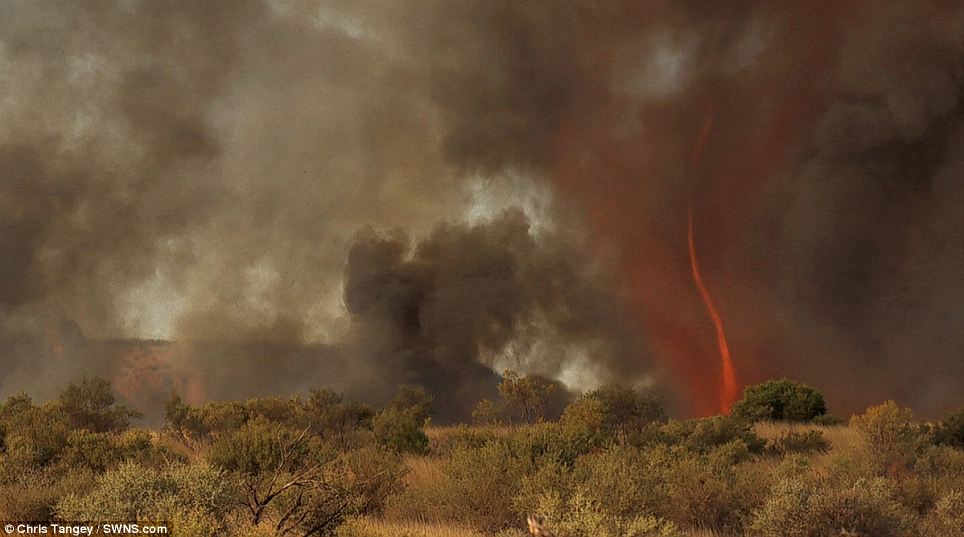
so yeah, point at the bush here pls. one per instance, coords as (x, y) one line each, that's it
(33, 495)
(780, 400)
(400, 431)
(888, 432)
(480, 485)
(35, 435)
(798, 508)
(197, 495)
(611, 413)
(794, 442)
(585, 515)
(486, 413)
(702, 435)
(950, 431)
(947, 518)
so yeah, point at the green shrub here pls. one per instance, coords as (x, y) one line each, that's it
(700, 490)
(480, 485)
(36, 435)
(584, 515)
(780, 400)
(260, 447)
(950, 431)
(196, 495)
(400, 430)
(611, 413)
(705, 434)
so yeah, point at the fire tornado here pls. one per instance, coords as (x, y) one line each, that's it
(728, 389)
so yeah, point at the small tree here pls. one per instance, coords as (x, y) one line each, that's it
(780, 400)
(90, 405)
(400, 430)
(413, 400)
(889, 433)
(526, 396)
(485, 413)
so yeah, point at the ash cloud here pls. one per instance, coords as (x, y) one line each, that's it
(198, 172)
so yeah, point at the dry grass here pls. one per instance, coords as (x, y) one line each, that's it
(372, 527)
(194, 451)
(423, 471)
(442, 433)
(840, 437)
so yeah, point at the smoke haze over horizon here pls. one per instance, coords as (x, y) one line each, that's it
(350, 195)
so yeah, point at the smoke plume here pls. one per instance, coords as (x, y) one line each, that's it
(260, 197)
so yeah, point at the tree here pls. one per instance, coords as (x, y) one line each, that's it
(400, 430)
(780, 400)
(486, 413)
(297, 484)
(414, 400)
(90, 405)
(330, 416)
(889, 432)
(526, 396)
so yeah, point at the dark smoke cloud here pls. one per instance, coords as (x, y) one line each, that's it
(197, 171)
(441, 312)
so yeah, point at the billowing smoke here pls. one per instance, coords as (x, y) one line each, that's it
(197, 172)
(467, 300)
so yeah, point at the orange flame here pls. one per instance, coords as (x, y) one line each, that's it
(728, 390)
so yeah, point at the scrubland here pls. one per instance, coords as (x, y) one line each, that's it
(612, 465)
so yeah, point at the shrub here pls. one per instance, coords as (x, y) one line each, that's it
(35, 435)
(486, 413)
(947, 517)
(480, 485)
(888, 432)
(197, 495)
(780, 400)
(705, 434)
(33, 495)
(585, 515)
(700, 490)
(611, 413)
(799, 508)
(342, 422)
(794, 442)
(400, 430)
(950, 431)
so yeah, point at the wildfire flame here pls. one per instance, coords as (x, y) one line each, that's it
(728, 388)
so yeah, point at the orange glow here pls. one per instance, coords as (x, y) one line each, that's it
(728, 389)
